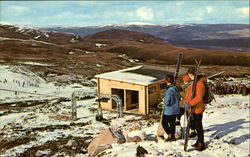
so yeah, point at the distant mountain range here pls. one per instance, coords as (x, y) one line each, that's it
(113, 46)
(229, 37)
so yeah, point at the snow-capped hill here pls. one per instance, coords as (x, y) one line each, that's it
(193, 29)
(19, 32)
(139, 24)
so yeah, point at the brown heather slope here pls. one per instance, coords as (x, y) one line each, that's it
(115, 36)
(142, 47)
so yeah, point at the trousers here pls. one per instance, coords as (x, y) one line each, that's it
(196, 124)
(168, 123)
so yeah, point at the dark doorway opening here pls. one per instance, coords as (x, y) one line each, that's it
(132, 99)
(120, 93)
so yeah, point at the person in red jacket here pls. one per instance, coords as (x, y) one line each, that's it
(199, 107)
(184, 86)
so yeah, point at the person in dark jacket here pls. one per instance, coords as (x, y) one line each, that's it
(171, 108)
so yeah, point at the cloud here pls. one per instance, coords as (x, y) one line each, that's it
(179, 3)
(145, 13)
(209, 9)
(138, 23)
(6, 23)
(186, 19)
(18, 10)
(69, 15)
(244, 11)
(125, 14)
(90, 3)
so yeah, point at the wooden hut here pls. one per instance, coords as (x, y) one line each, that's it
(139, 87)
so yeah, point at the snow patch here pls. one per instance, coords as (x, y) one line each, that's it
(99, 45)
(35, 63)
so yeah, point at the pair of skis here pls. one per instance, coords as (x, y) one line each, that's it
(190, 113)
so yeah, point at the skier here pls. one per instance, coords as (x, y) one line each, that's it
(171, 108)
(184, 87)
(199, 107)
(187, 83)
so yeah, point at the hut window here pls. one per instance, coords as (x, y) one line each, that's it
(163, 86)
(151, 89)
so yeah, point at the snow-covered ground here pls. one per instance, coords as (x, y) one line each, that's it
(29, 86)
(226, 126)
(46, 129)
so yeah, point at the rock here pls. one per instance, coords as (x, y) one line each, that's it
(72, 143)
(38, 153)
(131, 128)
(134, 133)
(118, 134)
(84, 151)
(140, 151)
(108, 136)
(100, 149)
(2, 113)
(42, 153)
(136, 136)
(134, 139)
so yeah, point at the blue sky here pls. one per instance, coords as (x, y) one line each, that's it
(94, 13)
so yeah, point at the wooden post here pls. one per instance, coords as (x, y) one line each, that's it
(73, 105)
(146, 100)
(125, 100)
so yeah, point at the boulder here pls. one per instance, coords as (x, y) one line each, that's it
(108, 136)
(100, 149)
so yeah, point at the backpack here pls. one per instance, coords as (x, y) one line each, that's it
(208, 96)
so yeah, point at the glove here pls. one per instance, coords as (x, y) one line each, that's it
(187, 106)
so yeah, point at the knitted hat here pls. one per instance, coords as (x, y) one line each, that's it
(170, 78)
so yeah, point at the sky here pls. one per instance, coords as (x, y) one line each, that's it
(97, 13)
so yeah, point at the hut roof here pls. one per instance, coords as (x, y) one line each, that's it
(142, 75)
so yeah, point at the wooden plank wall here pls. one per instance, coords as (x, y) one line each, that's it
(105, 86)
(156, 97)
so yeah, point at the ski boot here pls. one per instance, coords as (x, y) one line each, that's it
(200, 146)
(171, 137)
